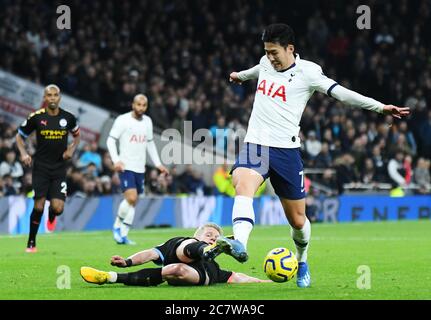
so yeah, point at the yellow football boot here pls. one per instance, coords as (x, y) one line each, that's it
(92, 275)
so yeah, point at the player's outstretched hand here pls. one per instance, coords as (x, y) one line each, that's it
(26, 159)
(118, 262)
(396, 112)
(163, 170)
(233, 77)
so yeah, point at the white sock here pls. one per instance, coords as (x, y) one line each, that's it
(301, 238)
(123, 208)
(112, 277)
(242, 218)
(127, 222)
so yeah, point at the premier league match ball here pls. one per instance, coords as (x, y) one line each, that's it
(280, 265)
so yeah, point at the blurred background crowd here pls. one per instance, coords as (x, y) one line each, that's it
(180, 54)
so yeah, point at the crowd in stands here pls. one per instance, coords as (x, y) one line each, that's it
(90, 172)
(180, 54)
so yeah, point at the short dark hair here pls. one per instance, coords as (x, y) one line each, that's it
(279, 33)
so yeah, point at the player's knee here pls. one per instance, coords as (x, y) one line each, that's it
(57, 209)
(174, 271)
(132, 200)
(297, 222)
(244, 189)
(39, 204)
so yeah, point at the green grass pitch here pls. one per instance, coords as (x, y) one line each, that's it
(398, 254)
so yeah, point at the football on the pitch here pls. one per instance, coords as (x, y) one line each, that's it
(280, 265)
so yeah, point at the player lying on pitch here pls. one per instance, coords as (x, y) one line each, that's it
(185, 260)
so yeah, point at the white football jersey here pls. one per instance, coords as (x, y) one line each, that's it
(280, 100)
(133, 136)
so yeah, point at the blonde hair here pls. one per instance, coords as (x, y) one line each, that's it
(200, 230)
(139, 96)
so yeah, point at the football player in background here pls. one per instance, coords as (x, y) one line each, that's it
(52, 125)
(134, 133)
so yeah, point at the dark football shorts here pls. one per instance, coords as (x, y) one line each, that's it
(49, 183)
(283, 166)
(210, 273)
(132, 180)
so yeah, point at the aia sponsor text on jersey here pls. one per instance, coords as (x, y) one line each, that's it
(138, 138)
(272, 89)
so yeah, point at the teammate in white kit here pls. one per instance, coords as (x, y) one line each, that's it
(134, 132)
(285, 84)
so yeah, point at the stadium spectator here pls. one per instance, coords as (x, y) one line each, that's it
(90, 155)
(346, 172)
(107, 165)
(157, 186)
(89, 186)
(379, 164)
(90, 170)
(11, 166)
(422, 176)
(74, 180)
(323, 159)
(105, 185)
(425, 134)
(407, 168)
(8, 187)
(191, 181)
(396, 170)
(409, 137)
(197, 185)
(220, 134)
(223, 181)
(173, 181)
(368, 175)
(312, 145)
(328, 180)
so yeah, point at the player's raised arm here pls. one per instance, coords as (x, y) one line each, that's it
(357, 100)
(320, 82)
(240, 77)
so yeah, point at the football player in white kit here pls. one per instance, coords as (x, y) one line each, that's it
(271, 149)
(134, 133)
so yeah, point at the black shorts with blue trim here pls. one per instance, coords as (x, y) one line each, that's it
(283, 166)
